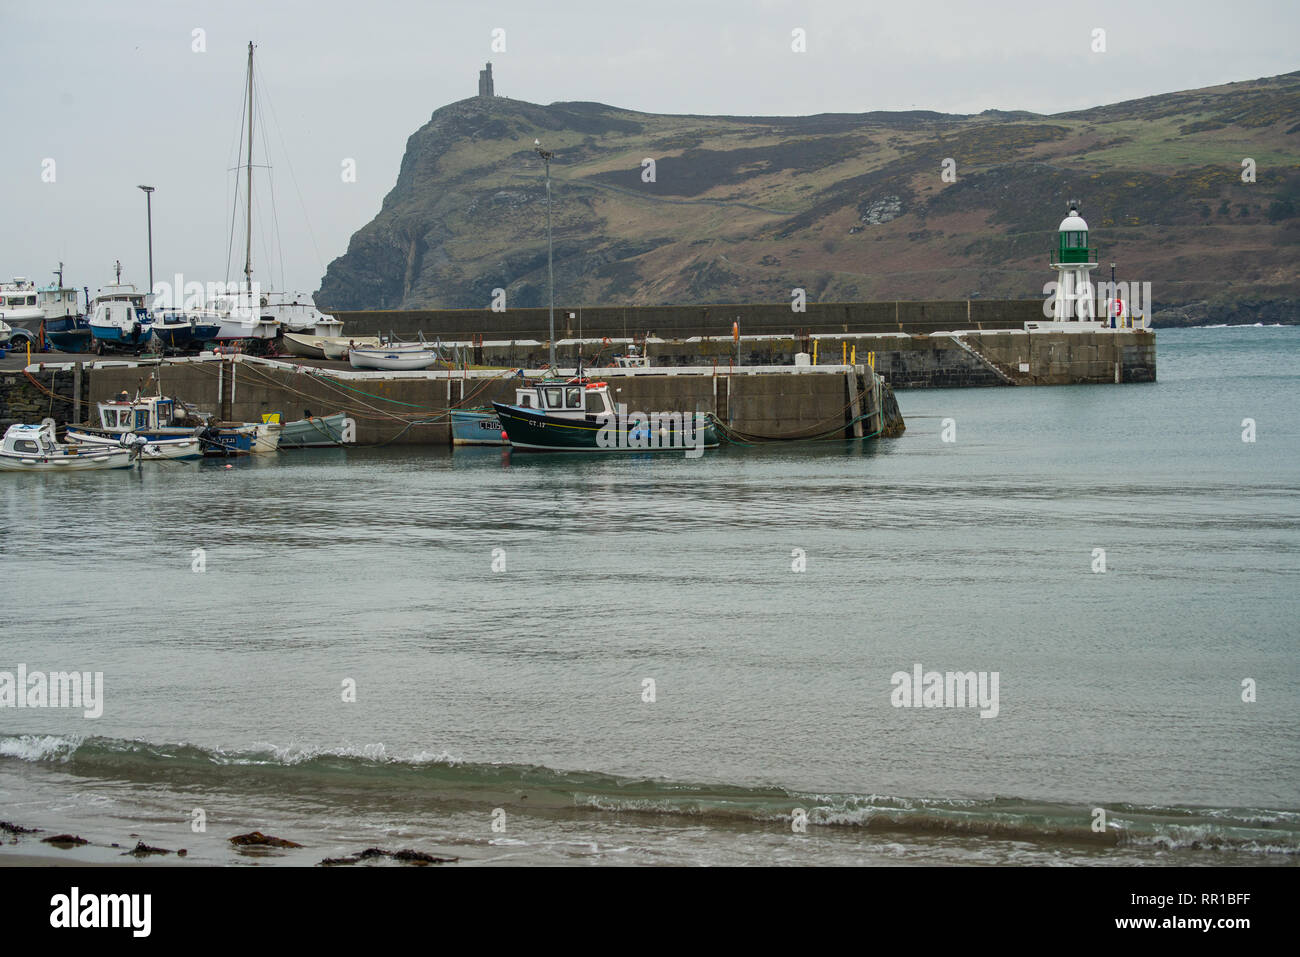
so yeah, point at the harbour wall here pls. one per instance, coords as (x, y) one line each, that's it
(44, 395)
(411, 408)
(940, 360)
(684, 322)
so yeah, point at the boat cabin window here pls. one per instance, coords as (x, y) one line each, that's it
(525, 400)
(25, 445)
(595, 402)
(554, 397)
(573, 397)
(116, 418)
(142, 418)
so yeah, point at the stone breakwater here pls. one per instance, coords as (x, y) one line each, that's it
(25, 401)
(412, 408)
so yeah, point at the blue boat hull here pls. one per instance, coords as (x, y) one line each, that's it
(70, 334)
(226, 442)
(115, 337)
(185, 336)
(476, 428)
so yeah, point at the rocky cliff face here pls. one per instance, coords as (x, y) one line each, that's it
(846, 207)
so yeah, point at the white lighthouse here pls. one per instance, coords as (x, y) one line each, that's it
(1073, 261)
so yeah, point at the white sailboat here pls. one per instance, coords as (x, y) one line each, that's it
(252, 312)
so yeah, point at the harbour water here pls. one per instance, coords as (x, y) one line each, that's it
(501, 617)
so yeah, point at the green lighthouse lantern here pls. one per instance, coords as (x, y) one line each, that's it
(1073, 238)
(1073, 259)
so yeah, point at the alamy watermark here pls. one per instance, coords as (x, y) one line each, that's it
(655, 431)
(1099, 301)
(242, 300)
(948, 689)
(53, 689)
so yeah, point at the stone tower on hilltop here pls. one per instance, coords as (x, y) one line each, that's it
(485, 81)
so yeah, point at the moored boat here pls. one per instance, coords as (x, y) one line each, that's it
(179, 449)
(266, 437)
(313, 431)
(33, 448)
(579, 416)
(155, 418)
(477, 427)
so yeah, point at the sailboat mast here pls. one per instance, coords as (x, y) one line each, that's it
(248, 249)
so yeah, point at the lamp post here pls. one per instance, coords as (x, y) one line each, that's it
(550, 270)
(148, 198)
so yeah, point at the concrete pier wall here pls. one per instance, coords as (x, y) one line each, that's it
(986, 358)
(412, 409)
(683, 322)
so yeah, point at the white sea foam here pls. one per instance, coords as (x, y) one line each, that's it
(35, 747)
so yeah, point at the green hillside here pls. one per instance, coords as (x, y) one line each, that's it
(846, 206)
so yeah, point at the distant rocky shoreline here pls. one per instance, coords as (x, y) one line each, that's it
(1204, 313)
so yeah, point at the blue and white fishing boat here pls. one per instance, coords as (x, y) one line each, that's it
(185, 330)
(66, 326)
(150, 420)
(119, 320)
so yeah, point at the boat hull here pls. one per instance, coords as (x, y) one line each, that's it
(115, 337)
(304, 346)
(535, 431)
(184, 336)
(391, 360)
(314, 432)
(178, 448)
(80, 461)
(266, 437)
(68, 334)
(471, 427)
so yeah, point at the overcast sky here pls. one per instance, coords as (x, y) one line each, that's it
(113, 92)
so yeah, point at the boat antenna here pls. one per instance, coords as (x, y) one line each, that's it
(117, 271)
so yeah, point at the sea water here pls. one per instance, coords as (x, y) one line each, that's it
(660, 659)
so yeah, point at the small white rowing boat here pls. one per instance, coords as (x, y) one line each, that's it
(33, 448)
(393, 360)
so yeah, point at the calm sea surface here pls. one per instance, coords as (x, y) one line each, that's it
(515, 696)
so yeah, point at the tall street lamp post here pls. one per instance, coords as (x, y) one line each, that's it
(550, 270)
(148, 198)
